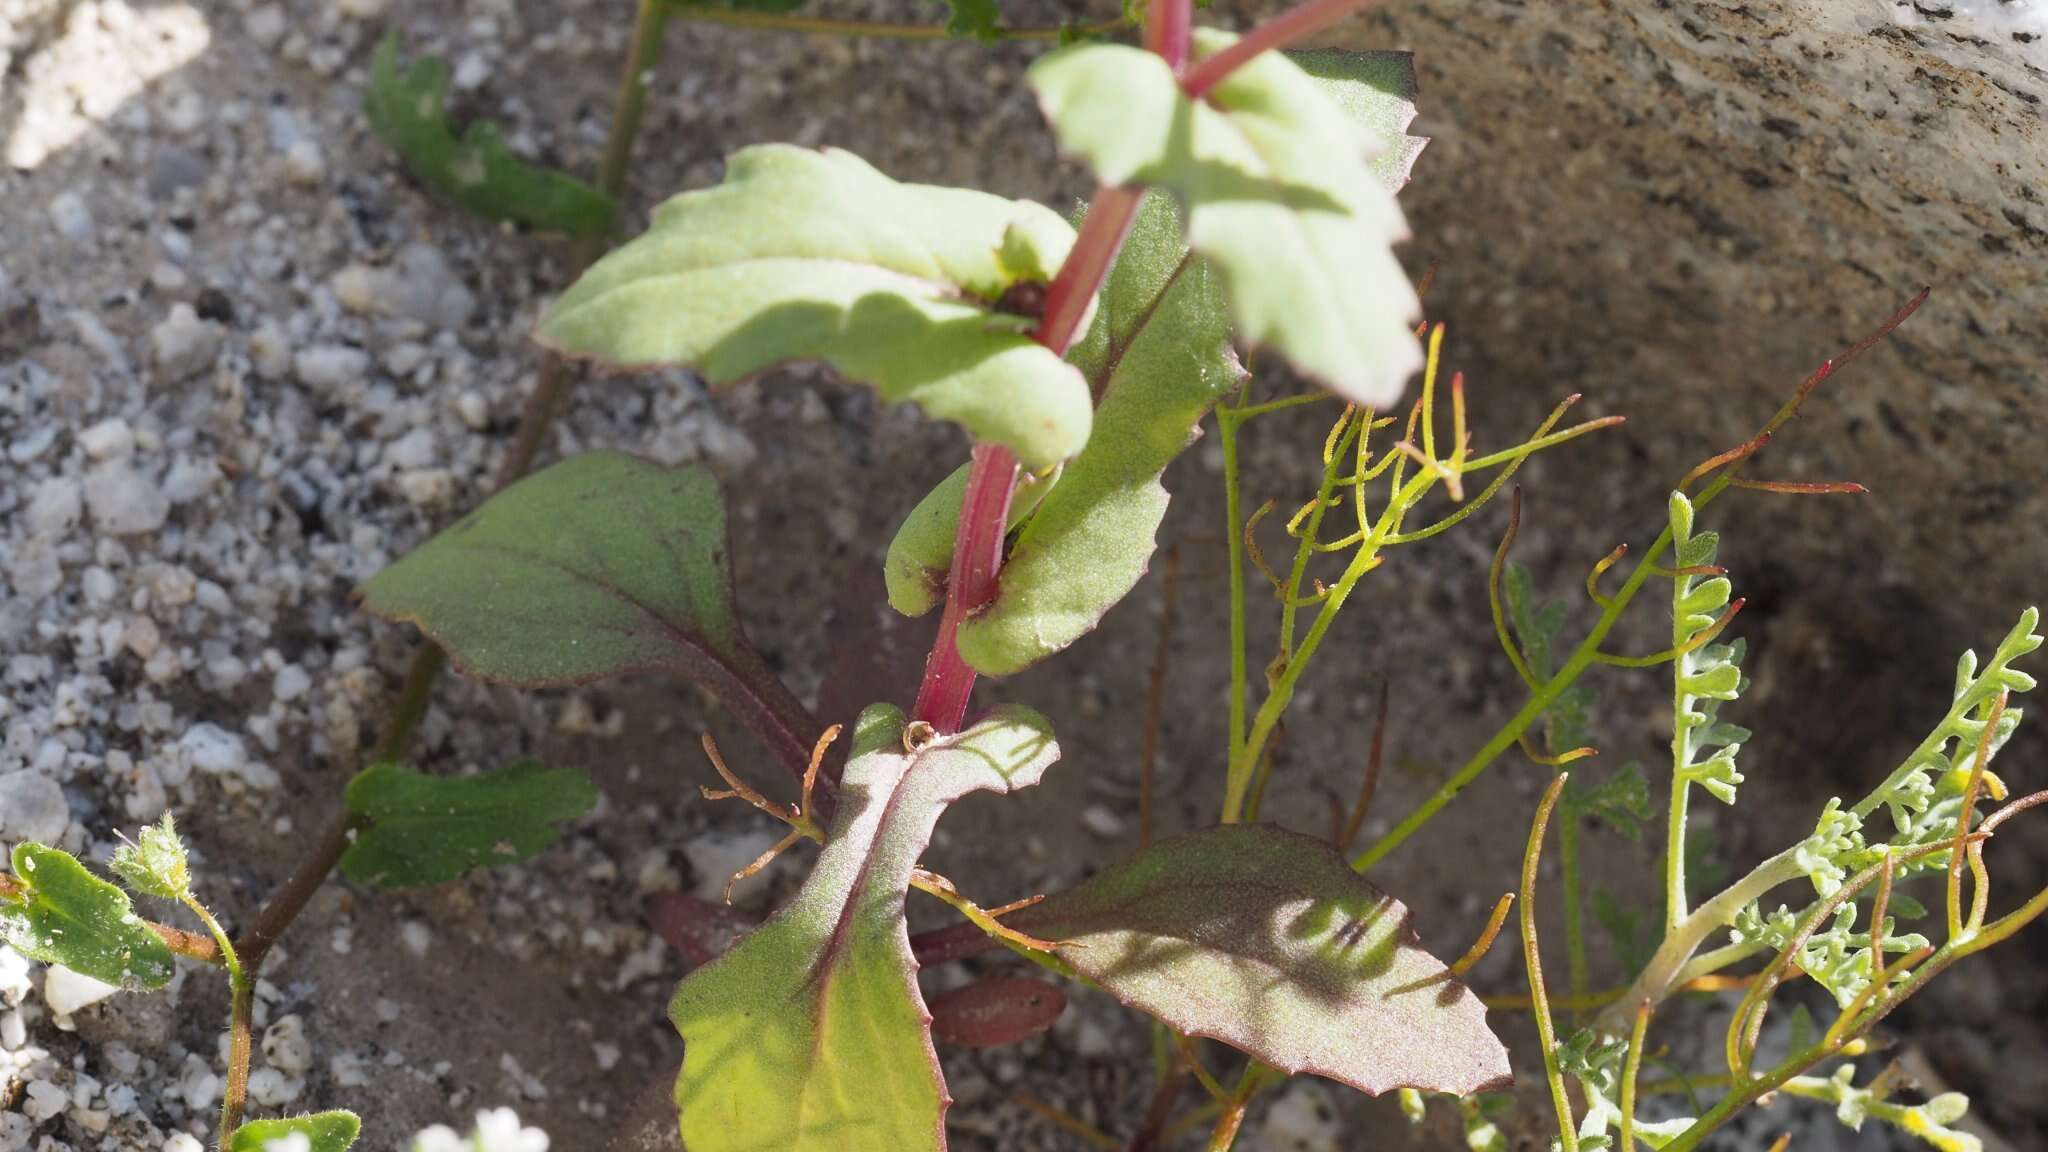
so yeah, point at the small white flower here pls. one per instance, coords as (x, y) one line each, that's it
(497, 1130)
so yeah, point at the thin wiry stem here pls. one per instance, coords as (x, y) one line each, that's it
(1546, 1031)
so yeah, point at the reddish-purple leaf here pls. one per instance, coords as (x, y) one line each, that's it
(1268, 941)
(700, 930)
(997, 1011)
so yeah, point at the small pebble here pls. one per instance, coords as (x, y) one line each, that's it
(304, 163)
(69, 215)
(66, 992)
(329, 367)
(109, 439)
(182, 344)
(1102, 822)
(32, 807)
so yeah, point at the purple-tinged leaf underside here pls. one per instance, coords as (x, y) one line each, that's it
(1266, 940)
(603, 565)
(810, 1035)
(995, 1011)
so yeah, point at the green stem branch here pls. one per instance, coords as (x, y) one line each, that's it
(241, 1024)
(1668, 968)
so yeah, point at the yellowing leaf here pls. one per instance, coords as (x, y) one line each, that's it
(810, 1035)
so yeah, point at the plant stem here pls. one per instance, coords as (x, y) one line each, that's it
(241, 991)
(970, 584)
(778, 22)
(1224, 1134)
(1291, 26)
(1067, 298)
(1171, 1081)
(1546, 1032)
(971, 581)
(1227, 421)
(1168, 30)
(1581, 658)
(1681, 758)
(1576, 978)
(1661, 975)
(1244, 758)
(287, 902)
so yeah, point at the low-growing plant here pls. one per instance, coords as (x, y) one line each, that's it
(1246, 201)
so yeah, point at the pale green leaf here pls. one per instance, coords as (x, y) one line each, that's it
(1279, 196)
(812, 1028)
(1377, 91)
(1268, 941)
(66, 915)
(323, 1132)
(1160, 350)
(921, 553)
(816, 256)
(600, 566)
(477, 172)
(433, 829)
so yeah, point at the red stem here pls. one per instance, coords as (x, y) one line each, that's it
(985, 510)
(1296, 24)
(977, 554)
(1169, 25)
(1087, 266)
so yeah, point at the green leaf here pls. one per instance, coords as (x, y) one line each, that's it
(600, 566)
(816, 256)
(921, 553)
(1279, 196)
(1703, 746)
(406, 111)
(324, 1132)
(1634, 932)
(1159, 353)
(157, 866)
(976, 18)
(812, 1028)
(1268, 941)
(432, 829)
(67, 915)
(1622, 800)
(1377, 91)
